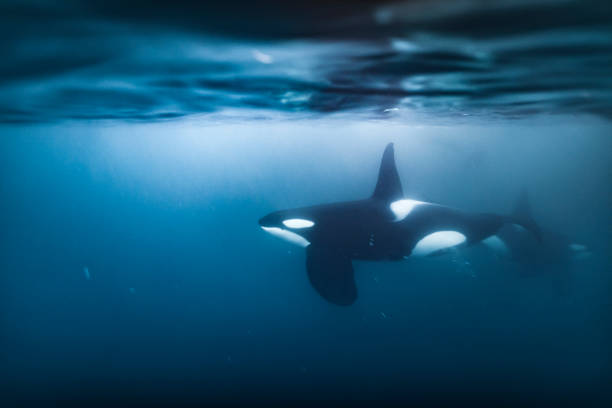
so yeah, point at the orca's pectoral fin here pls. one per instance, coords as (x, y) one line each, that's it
(331, 274)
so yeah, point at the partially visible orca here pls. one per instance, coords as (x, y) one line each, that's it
(522, 246)
(386, 226)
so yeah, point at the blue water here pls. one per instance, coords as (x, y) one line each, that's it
(134, 271)
(141, 143)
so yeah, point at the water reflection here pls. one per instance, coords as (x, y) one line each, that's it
(434, 59)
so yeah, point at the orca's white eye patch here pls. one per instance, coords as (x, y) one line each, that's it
(401, 208)
(298, 223)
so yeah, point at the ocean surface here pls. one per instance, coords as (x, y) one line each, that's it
(139, 147)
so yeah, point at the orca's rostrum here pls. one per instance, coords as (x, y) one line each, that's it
(386, 226)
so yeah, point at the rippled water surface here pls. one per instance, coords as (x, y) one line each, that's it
(444, 59)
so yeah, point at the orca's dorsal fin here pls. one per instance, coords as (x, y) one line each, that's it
(522, 207)
(388, 187)
(521, 215)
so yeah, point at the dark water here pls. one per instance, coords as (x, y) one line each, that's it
(140, 144)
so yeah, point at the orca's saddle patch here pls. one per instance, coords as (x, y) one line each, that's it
(331, 274)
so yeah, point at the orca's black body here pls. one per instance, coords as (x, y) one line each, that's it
(384, 226)
(520, 245)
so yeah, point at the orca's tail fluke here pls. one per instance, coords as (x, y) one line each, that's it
(521, 215)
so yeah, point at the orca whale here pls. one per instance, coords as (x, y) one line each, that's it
(520, 245)
(385, 226)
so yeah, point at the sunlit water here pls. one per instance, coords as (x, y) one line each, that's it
(133, 265)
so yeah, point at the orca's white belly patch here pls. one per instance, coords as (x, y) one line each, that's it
(437, 241)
